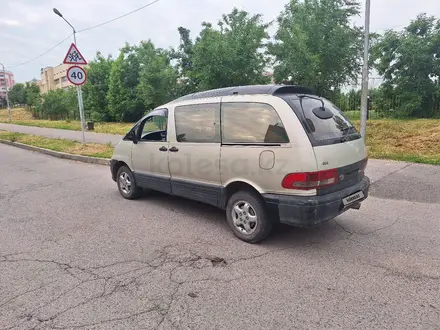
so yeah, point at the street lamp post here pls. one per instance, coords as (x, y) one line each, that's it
(78, 88)
(6, 88)
(364, 97)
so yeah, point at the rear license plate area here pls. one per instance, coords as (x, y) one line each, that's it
(353, 198)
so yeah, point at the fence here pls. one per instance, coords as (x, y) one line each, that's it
(382, 104)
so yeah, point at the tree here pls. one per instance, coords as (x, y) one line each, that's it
(17, 94)
(317, 45)
(409, 60)
(354, 100)
(231, 54)
(54, 105)
(3, 102)
(122, 97)
(158, 79)
(33, 97)
(184, 57)
(71, 101)
(96, 88)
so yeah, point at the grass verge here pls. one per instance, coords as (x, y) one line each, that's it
(416, 140)
(67, 146)
(20, 116)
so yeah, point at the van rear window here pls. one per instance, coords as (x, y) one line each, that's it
(329, 125)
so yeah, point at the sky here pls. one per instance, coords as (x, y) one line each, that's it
(28, 28)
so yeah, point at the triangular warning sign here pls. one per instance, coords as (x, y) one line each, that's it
(74, 56)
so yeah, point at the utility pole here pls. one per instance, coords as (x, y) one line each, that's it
(364, 98)
(6, 88)
(78, 88)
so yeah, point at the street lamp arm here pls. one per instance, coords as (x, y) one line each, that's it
(57, 12)
(74, 31)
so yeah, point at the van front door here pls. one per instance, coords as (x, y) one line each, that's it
(194, 153)
(150, 154)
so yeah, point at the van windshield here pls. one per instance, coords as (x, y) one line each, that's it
(329, 125)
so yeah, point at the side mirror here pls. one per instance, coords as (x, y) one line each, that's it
(133, 137)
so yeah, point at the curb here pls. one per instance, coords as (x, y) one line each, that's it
(79, 158)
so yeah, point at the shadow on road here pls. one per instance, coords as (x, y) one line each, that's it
(282, 235)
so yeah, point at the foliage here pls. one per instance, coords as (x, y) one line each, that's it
(123, 101)
(410, 63)
(33, 95)
(231, 54)
(3, 102)
(317, 45)
(58, 104)
(25, 94)
(184, 56)
(96, 88)
(158, 79)
(17, 94)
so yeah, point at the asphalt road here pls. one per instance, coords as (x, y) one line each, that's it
(76, 255)
(63, 134)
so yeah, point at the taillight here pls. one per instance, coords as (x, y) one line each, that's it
(310, 180)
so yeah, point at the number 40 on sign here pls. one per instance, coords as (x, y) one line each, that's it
(76, 75)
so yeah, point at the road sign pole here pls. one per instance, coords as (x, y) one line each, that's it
(80, 102)
(77, 76)
(81, 112)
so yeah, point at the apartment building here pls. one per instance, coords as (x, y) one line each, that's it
(6, 81)
(54, 78)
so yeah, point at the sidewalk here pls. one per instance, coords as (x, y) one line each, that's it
(63, 134)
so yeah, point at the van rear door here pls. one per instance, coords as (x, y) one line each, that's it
(336, 142)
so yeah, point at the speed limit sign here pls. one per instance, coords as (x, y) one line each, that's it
(76, 75)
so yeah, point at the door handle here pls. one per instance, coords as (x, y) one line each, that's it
(163, 148)
(174, 149)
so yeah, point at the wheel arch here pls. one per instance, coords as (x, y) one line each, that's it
(116, 166)
(232, 187)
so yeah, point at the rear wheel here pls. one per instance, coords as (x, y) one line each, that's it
(247, 216)
(126, 184)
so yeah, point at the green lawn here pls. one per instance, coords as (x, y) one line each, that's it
(67, 146)
(22, 117)
(356, 114)
(415, 140)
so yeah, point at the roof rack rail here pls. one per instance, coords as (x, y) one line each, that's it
(248, 90)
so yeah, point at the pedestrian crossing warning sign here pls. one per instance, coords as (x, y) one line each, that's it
(74, 56)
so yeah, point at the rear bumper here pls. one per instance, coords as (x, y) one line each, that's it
(311, 211)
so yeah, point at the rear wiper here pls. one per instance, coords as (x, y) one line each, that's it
(301, 97)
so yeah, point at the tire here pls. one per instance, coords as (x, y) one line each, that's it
(127, 184)
(243, 207)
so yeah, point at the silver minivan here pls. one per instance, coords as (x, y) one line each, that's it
(265, 154)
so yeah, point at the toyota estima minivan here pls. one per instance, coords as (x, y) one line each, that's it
(265, 154)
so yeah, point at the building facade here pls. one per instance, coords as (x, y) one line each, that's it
(54, 78)
(6, 81)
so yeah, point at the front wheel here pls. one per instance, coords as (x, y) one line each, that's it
(247, 217)
(126, 184)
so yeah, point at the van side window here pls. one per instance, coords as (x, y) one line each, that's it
(244, 122)
(197, 123)
(154, 128)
